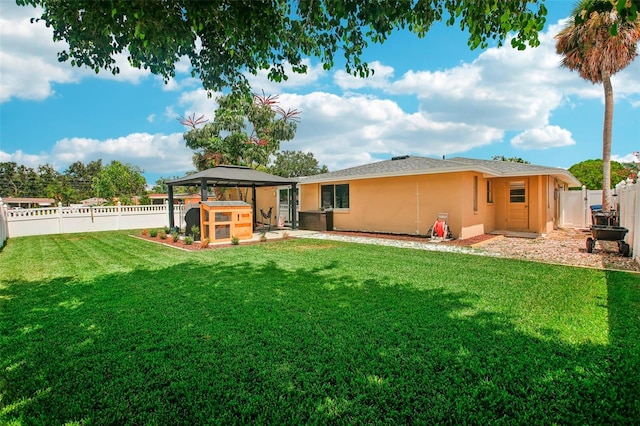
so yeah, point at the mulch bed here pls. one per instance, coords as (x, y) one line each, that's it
(195, 246)
(468, 242)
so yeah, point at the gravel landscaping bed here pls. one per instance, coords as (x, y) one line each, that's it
(562, 246)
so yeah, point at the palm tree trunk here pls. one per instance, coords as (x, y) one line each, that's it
(606, 141)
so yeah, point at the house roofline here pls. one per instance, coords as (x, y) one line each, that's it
(560, 174)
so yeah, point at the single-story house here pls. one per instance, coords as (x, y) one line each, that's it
(404, 195)
(28, 202)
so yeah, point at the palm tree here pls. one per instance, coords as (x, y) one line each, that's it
(588, 46)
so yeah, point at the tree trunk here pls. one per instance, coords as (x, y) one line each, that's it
(606, 141)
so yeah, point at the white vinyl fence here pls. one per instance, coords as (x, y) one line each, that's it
(575, 211)
(67, 220)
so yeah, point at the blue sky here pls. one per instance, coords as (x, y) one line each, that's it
(429, 97)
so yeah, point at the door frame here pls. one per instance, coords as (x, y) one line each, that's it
(511, 223)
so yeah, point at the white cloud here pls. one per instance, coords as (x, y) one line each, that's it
(197, 102)
(28, 58)
(629, 158)
(503, 88)
(153, 153)
(151, 118)
(543, 138)
(379, 79)
(22, 158)
(346, 131)
(261, 82)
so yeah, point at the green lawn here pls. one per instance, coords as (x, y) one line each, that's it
(107, 329)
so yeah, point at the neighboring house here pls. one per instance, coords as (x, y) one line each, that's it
(94, 201)
(405, 194)
(177, 198)
(28, 202)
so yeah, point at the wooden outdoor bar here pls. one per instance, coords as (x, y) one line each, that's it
(316, 220)
(222, 220)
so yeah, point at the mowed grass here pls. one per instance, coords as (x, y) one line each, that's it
(107, 329)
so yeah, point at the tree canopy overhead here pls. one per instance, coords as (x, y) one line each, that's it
(225, 38)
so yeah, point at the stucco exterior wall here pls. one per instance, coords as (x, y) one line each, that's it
(410, 204)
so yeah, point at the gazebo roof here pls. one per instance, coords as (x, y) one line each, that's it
(231, 176)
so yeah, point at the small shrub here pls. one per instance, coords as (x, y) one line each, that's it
(263, 237)
(175, 236)
(195, 230)
(204, 243)
(188, 240)
(153, 233)
(167, 230)
(162, 235)
(235, 240)
(285, 235)
(145, 232)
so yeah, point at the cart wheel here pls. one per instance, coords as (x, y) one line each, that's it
(625, 249)
(590, 245)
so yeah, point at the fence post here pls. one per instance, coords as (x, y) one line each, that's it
(585, 206)
(60, 219)
(119, 213)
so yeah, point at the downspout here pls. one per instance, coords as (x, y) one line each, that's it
(417, 208)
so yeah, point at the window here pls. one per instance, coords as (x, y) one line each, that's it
(489, 192)
(334, 196)
(517, 192)
(475, 193)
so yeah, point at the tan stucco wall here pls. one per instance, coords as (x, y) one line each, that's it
(410, 204)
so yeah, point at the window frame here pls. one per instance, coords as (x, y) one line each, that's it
(340, 195)
(475, 194)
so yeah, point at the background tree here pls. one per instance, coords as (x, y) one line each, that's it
(52, 184)
(511, 159)
(19, 181)
(80, 177)
(9, 179)
(118, 180)
(588, 46)
(295, 164)
(243, 132)
(226, 38)
(589, 172)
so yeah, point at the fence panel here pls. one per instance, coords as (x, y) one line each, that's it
(575, 207)
(629, 201)
(67, 220)
(575, 211)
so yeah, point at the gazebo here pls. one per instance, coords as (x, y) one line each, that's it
(229, 176)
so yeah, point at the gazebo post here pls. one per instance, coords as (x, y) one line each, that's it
(294, 209)
(204, 196)
(253, 201)
(170, 207)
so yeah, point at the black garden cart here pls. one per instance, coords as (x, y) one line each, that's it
(605, 228)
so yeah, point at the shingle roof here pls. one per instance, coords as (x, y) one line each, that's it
(409, 165)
